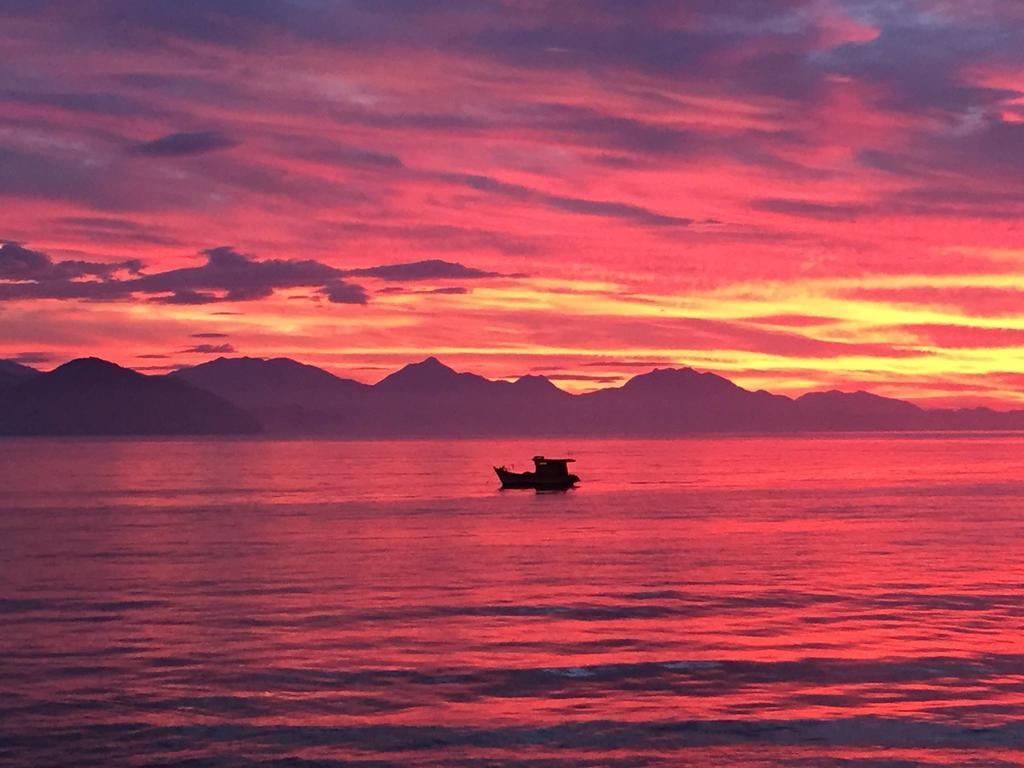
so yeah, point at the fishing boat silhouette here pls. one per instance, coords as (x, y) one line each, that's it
(548, 474)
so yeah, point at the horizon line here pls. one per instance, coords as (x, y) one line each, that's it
(1008, 407)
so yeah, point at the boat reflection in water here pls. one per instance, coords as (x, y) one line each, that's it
(547, 475)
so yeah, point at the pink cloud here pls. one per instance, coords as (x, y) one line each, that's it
(669, 149)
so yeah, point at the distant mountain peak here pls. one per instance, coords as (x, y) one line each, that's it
(258, 364)
(89, 363)
(430, 373)
(533, 379)
(431, 363)
(92, 369)
(539, 385)
(676, 379)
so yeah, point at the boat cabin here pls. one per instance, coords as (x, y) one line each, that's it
(551, 467)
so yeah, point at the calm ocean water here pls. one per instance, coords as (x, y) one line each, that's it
(833, 601)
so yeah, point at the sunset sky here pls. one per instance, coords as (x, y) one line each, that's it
(796, 194)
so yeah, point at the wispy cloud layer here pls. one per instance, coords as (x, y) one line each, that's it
(784, 189)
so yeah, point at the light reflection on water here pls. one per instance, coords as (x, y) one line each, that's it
(744, 601)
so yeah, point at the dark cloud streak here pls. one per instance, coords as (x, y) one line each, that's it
(210, 349)
(184, 144)
(429, 269)
(226, 275)
(610, 209)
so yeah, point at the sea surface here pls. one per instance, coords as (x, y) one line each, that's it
(852, 601)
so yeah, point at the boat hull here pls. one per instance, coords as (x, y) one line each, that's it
(533, 480)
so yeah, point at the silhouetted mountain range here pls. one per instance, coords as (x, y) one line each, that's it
(94, 397)
(420, 400)
(429, 399)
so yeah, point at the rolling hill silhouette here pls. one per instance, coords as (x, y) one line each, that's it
(677, 401)
(93, 397)
(851, 411)
(430, 399)
(283, 395)
(13, 373)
